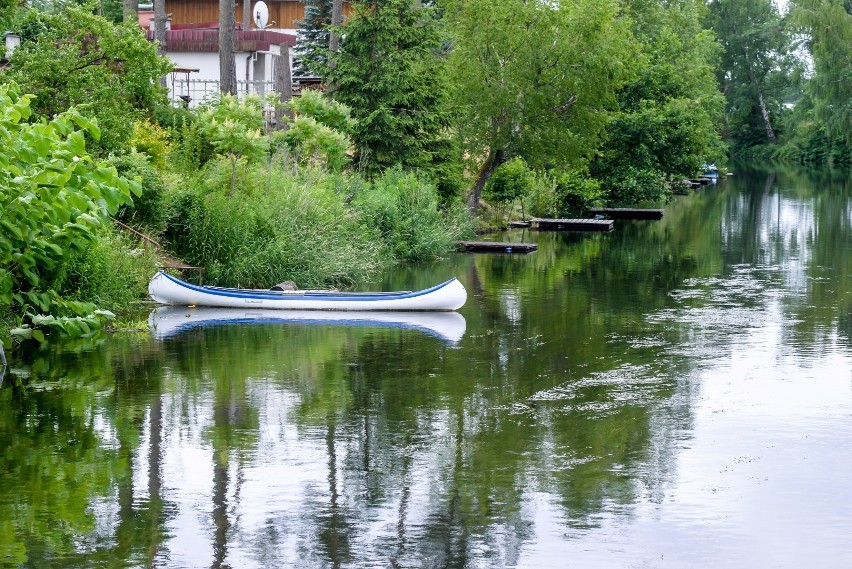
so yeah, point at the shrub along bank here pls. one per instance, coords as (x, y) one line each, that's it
(253, 208)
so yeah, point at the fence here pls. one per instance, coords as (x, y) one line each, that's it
(193, 92)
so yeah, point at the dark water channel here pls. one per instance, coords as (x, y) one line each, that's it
(671, 394)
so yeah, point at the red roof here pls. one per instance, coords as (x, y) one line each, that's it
(207, 40)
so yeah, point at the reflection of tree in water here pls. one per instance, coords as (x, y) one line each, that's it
(70, 424)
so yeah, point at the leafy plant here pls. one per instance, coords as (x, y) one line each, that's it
(404, 209)
(53, 199)
(318, 134)
(152, 140)
(73, 57)
(233, 127)
(147, 208)
(510, 182)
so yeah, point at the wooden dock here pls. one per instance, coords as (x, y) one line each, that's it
(701, 180)
(573, 224)
(627, 213)
(496, 247)
(517, 224)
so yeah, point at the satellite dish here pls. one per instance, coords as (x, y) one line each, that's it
(261, 14)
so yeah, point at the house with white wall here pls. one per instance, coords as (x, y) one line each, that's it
(194, 49)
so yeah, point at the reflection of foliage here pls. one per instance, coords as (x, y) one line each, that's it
(69, 426)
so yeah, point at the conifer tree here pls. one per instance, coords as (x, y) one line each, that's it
(311, 53)
(390, 73)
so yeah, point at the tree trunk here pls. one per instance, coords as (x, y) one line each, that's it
(160, 18)
(247, 15)
(131, 10)
(495, 158)
(227, 63)
(283, 74)
(770, 134)
(765, 114)
(336, 20)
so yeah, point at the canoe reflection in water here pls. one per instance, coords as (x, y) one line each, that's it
(169, 321)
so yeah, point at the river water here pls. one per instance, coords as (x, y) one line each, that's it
(675, 393)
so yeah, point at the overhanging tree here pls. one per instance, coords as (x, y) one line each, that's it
(534, 79)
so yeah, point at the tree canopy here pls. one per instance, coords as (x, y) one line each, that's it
(389, 72)
(534, 79)
(75, 58)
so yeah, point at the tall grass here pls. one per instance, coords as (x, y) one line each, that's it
(113, 273)
(312, 227)
(403, 207)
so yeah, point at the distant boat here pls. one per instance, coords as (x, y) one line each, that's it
(170, 321)
(166, 289)
(710, 171)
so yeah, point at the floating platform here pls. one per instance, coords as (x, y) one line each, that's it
(573, 224)
(627, 213)
(496, 247)
(701, 181)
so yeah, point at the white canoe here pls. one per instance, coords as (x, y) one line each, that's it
(167, 289)
(170, 321)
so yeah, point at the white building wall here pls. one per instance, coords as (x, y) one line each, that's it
(254, 73)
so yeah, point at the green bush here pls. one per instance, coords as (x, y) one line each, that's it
(577, 193)
(279, 227)
(404, 209)
(113, 273)
(314, 144)
(147, 209)
(511, 180)
(300, 227)
(630, 186)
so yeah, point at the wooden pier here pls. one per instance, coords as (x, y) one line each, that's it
(572, 224)
(627, 213)
(496, 247)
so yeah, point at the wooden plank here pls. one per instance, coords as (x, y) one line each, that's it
(496, 247)
(573, 224)
(627, 213)
(519, 224)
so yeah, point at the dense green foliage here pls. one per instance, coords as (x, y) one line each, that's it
(534, 80)
(670, 109)
(76, 58)
(389, 73)
(318, 134)
(54, 200)
(300, 227)
(828, 24)
(755, 70)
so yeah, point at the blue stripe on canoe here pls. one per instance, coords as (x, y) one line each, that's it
(307, 295)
